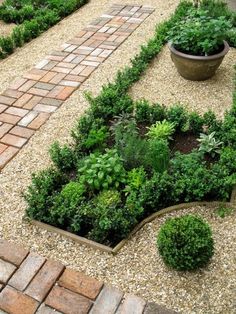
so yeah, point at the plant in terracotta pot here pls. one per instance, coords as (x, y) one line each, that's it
(197, 44)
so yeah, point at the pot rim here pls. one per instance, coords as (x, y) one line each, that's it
(201, 58)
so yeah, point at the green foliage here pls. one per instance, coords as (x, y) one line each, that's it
(102, 171)
(135, 179)
(65, 205)
(209, 145)
(63, 157)
(161, 130)
(96, 138)
(228, 159)
(40, 193)
(178, 116)
(158, 154)
(200, 34)
(185, 243)
(223, 211)
(149, 114)
(34, 17)
(195, 122)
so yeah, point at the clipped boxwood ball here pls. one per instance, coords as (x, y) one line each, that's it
(185, 243)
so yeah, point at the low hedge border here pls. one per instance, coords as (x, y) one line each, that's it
(31, 28)
(121, 244)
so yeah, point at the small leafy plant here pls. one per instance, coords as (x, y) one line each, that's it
(199, 34)
(209, 145)
(161, 130)
(185, 243)
(102, 171)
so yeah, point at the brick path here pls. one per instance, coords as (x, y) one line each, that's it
(29, 101)
(29, 284)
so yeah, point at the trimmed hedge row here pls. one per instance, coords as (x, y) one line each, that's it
(33, 17)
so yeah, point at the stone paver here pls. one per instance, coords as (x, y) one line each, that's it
(30, 101)
(30, 284)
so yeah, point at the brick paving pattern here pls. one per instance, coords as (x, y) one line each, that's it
(30, 283)
(27, 103)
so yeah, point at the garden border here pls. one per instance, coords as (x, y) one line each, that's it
(117, 248)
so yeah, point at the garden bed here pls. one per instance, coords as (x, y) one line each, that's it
(124, 166)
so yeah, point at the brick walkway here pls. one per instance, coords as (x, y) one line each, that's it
(29, 101)
(29, 284)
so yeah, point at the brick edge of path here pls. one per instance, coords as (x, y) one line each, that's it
(28, 102)
(30, 283)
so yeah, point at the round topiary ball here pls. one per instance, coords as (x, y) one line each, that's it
(185, 243)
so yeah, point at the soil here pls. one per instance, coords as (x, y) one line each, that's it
(184, 143)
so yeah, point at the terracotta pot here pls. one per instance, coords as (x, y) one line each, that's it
(197, 68)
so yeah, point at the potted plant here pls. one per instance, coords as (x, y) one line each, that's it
(197, 44)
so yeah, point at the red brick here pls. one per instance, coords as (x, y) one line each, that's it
(44, 280)
(61, 70)
(57, 78)
(95, 59)
(87, 71)
(5, 157)
(4, 128)
(6, 271)
(22, 132)
(131, 304)
(18, 83)
(28, 118)
(45, 86)
(28, 269)
(46, 78)
(80, 283)
(16, 111)
(38, 91)
(9, 118)
(68, 302)
(25, 87)
(50, 65)
(6, 100)
(35, 74)
(70, 57)
(24, 99)
(90, 63)
(38, 121)
(15, 302)
(83, 51)
(77, 70)
(55, 92)
(66, 65)
(44, 108)
(107, 301)
(105, 53)
(3, 107)
(32, 102)
(65, 93)
(44, 309)
(13, 140)
(51, 102)
(2, 148)
(75, 78)
(12, 93)
(55, 58)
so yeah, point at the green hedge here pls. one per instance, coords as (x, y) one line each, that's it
(33, 18)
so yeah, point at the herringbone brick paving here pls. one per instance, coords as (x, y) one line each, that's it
(28, 102)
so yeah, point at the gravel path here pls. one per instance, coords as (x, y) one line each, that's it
(126, 269)
(6, 29)
(164, 85)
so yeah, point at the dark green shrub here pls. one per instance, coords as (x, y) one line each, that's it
(185, 243)
(63, 157)
(102, 171)
(177, 114)
(96, 138)
(149, 114)
(17, 37)
(66, 204)
(45, 185)
(195, 123)
(228, 159)
(6, 45)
